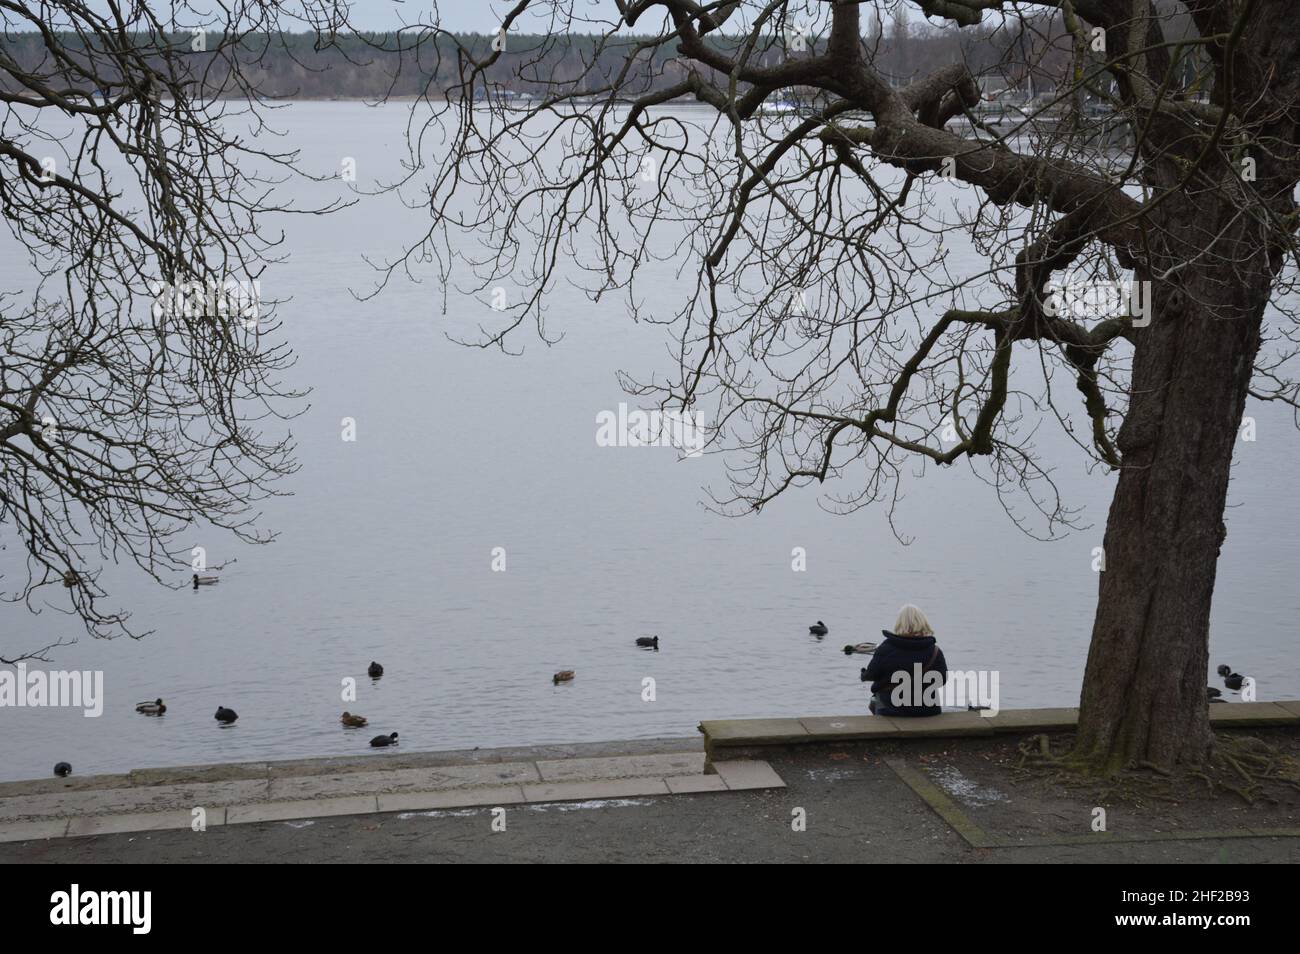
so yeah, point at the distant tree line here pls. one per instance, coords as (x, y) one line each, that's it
(1034, 50)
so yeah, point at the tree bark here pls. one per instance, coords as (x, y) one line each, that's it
(1143, 695)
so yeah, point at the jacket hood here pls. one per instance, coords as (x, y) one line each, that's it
(908, 642)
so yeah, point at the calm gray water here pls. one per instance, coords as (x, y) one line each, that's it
(386, 548)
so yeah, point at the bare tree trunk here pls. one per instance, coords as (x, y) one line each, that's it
(1205, 213)
(1144, 688)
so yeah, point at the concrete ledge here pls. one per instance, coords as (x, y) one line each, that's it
(846, 727)
(119, 801)
(591, 791)
(754, 731)
(375, 760)
(1253, 713)
(34, 830)
(460, 798)
(57, 786)
(148, 821)
(945, 725)
(185, 774)
(304, 808)
(694, 784)
(395, 781)
(1030, 720)
(627, 766)
(280, 798)
(731, 738)
(745, 774)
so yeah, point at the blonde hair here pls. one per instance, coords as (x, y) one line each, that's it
(912, 622)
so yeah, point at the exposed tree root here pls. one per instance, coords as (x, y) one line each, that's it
(1155, 768)
(1245, 766)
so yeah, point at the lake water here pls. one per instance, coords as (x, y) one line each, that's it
(385, 548)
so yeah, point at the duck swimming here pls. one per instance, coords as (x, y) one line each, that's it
(62, 769)
(374, 671)
(820, 630)
(863, 648)
(205, 581)
(1231, 679)
(648, 641)
(380, 741)
(226, 716)
(151, 708)
(352, 721)
(564, 675)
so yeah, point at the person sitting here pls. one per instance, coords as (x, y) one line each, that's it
(904, 665)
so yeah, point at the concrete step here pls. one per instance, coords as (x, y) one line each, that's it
(754, 734)
(84, 810)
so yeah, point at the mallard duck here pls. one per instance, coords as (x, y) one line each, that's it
(820, 630)
(374, 671)
(353, 721)
(564, 675)
(649, 642)
(62, 769)
(226, 716)
(151, 708)
(379, 741)
(1231, 679)
(205, 581)
(864, 648)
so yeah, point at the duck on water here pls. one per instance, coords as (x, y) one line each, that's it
(1233, 680)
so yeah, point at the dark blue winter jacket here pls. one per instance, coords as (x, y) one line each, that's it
(897, 655)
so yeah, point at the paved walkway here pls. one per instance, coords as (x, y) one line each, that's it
(249, 793)
(844, 789)
(852, 811)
